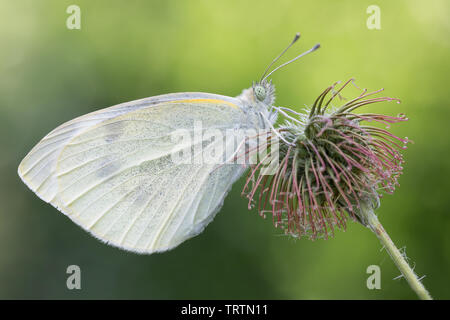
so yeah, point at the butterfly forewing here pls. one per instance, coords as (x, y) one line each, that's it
(113, 172)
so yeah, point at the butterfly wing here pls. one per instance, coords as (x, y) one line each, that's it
(112, 171)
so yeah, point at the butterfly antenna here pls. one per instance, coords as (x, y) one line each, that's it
(297, 36)
(317, 46)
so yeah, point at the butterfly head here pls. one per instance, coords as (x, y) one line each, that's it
(264, 92)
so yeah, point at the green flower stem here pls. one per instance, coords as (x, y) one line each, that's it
(398, 258)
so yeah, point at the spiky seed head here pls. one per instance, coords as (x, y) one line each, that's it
(332, 162)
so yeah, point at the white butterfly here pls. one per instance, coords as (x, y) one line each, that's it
(111, 171)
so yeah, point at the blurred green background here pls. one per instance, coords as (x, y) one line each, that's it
(127, 50)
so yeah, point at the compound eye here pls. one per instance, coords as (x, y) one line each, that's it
(260, 93)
